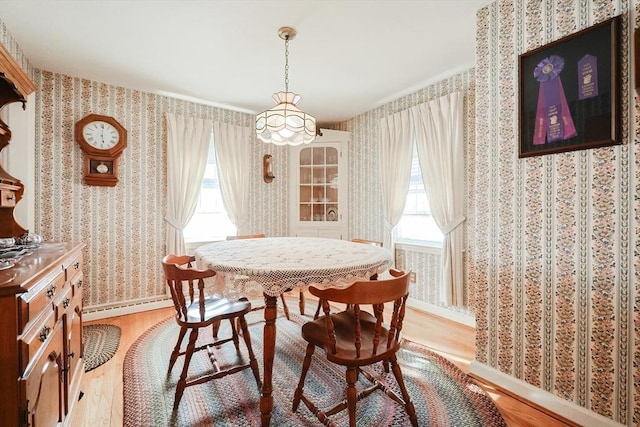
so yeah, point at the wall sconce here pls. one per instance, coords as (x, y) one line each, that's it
(267, 168)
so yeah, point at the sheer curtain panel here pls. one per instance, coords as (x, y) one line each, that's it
(439, 139)
(233, 151)
(396, 144)
(187, 149)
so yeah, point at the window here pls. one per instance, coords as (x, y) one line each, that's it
(210, 221)
(417, 224)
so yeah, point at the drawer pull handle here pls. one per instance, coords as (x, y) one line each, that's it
(71, 355)
(79, 283)
(44, 333)
(66, 302)
(51, 291)
(9, 197)
(76, 265)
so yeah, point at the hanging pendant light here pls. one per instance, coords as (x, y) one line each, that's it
(285, 124)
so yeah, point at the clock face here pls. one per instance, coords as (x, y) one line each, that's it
(101, 135)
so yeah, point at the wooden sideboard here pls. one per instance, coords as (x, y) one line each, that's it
(41, 348)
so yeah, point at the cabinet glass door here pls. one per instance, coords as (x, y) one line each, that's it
(318, 184)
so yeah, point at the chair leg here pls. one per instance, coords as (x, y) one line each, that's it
(284, 307)
(301, 303)
(252, 357)
(305, 367)
(182, 382)
(315, 316)
(234, 335)
(176, 350)
(408, 404)
(215, 327)
(352, 397)
(319, 308)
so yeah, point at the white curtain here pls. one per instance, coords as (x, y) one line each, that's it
(439, 139)
(396, 144)
(233, 153)
(187, 149)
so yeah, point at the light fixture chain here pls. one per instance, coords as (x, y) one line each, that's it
(285, 124)
(286, 64)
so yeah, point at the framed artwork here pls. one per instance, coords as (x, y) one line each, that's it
(636, 48)
(570, 92)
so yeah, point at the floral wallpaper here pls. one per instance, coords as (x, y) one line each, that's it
(365, 197)
(552, 265)
(553, 257)
(123, 226)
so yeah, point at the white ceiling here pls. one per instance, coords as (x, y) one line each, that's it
(349, 56)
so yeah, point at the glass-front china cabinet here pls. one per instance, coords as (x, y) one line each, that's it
(318, 186)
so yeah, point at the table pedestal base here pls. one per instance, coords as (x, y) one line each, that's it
(268, 351)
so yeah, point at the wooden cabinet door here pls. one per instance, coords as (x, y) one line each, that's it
(73, 352)
(42, 385)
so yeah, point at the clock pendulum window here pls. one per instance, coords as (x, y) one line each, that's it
(102, 140)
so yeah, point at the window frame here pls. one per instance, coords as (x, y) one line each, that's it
(195, 238)
(398, 238)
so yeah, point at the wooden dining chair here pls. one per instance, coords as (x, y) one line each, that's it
(247, 236)
(356, 338)
(196, 310)
(260, 236)
(367, 242)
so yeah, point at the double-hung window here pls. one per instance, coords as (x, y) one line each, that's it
(417, 225)
(210, 221)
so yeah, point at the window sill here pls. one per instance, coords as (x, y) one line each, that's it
(419, 246)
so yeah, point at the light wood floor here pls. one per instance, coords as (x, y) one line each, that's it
(101, 404)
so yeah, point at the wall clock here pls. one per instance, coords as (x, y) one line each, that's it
(102, 140)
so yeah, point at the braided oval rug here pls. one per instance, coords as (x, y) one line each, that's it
(442, 394)
(101, 342)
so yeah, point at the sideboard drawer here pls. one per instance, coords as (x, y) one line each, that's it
(7, 198)
(34, 338)
(73, 267)
(62, 302)
(32, 303)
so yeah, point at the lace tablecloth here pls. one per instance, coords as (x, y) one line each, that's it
(279, 264)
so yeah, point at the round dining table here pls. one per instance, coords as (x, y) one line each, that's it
(276, 265)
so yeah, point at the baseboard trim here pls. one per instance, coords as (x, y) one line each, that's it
(452, 315)
(552, 403)
(103, 312)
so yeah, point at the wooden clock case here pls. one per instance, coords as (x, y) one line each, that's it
(94, 157)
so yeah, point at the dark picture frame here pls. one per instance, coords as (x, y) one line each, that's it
(570, 92)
